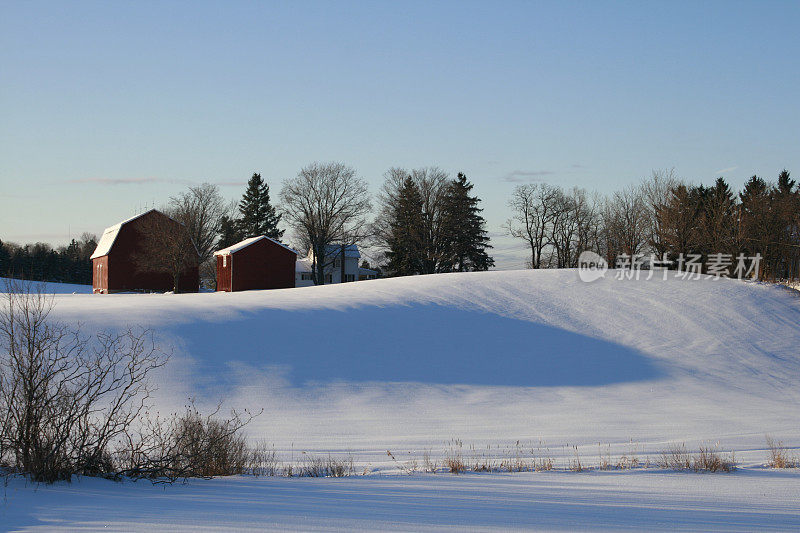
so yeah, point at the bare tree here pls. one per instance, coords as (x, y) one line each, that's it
(534, 208)
(325, 204)
(201, 210)
(165, 245)
(657, 192)
(574, 226)
(65, 398)
(627, 223)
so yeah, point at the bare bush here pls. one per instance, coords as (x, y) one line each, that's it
(676, 458)
(321, 466)
(428, 464)
(186, 445)
(709, 460)
(706, 460)
(455, 464)
(778, 456)
(263, 460)
(66, 397)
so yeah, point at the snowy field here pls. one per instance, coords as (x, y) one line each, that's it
(479, 364)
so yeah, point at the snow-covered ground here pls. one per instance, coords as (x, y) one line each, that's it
(473, 363)
(552, 501)
(55, 288)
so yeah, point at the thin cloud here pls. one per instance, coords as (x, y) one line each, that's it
(724, 170)
(519, 176)
(129, 181)
(576, 165)
(230, 183)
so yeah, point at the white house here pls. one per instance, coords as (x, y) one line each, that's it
(333, 266)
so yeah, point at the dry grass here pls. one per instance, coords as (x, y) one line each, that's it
(778, 456)
(515, 460)
(320, 466)
(455, 464)
(605, 457)
(543, 464)
(676, 458)
(709, 460)
(706, 460)
(409, 467)
(263, 460)
(575, 463)
(429, 465)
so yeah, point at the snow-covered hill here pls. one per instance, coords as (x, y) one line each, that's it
(473, 363)
(483, 357)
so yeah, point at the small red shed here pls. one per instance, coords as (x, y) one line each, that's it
(115, 267)
(255, 263)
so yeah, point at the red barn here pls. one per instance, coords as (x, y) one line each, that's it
(256, 263)
(117, 264)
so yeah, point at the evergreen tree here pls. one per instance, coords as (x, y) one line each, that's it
(720, 214)
(464, 229)
(785, 185)
(5, 260)
(229, 232)
(405, 254)
(787, 204)
(258, 216)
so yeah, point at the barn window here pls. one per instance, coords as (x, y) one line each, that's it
(349, 277)
(224, 261)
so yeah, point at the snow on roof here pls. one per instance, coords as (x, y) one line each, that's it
(303, 264)
(247, 242)
(110, 235)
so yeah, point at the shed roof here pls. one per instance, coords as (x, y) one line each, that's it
(247, 242)
(110, 235)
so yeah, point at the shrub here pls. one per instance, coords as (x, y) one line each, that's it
(66, 398)
(676, 458)
(778, 456)
(315, 466)
(709, 460)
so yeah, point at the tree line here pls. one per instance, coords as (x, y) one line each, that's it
(426, 222)
(665, 216)
(42, 262)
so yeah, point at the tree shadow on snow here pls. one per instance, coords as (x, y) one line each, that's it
(418, 343)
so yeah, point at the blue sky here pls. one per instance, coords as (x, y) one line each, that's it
(107, 108)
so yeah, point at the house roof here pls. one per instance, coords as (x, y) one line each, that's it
(110, 235)
(247, 242)
(362, 270)
(334, 250)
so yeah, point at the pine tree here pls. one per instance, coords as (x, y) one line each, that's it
(258, 216)
(785, 184)
(5, 260)
(464, 229)
(229, 232)
(404, 257)
(720, 214)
